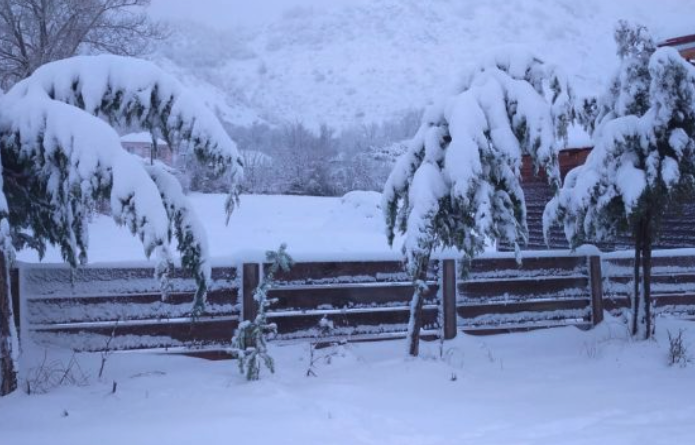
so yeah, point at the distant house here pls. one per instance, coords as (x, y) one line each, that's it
(141, 145)
(677, 231)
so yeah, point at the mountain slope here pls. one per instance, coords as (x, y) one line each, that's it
(372, 60)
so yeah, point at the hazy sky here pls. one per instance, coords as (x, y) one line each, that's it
(223, 13)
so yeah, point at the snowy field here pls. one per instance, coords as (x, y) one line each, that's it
(312, 227)
(560, 386)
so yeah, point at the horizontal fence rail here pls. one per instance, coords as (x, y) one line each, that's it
(121, 307)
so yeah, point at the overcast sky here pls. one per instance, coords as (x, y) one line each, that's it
(223, 13)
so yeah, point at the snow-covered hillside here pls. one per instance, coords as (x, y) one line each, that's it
(366, 61)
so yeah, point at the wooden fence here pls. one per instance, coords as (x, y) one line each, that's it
(362, 300)
(121, 306)
(85, 308)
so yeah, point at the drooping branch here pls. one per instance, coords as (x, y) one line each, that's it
(135, 94)
(187, 230)
(74, 158)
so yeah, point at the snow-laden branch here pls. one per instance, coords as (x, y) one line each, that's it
(187, 229)
(134, 94)
(65, 159)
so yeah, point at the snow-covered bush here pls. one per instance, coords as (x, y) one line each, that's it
(643, 159)
(60, 152)
(249, 341)
(458, 183)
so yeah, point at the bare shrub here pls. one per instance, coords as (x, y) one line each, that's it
(678, 353)
(50, 374)
(107, 351)
(323, 349)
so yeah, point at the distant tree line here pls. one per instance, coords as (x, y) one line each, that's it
(293, 159)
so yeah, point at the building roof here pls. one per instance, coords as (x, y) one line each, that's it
(688, 40)
(684, 44)
(143, 137)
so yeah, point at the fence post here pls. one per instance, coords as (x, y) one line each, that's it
(596, 284)
(250, 281)
(449, 298)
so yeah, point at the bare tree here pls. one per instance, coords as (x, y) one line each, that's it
(256, 166)
(35, 32)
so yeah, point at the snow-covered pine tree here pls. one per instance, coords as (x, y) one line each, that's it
(458, 183)
(60, 152)
(642, 162)
(249, 341)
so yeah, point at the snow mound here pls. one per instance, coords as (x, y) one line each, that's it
(357, 209)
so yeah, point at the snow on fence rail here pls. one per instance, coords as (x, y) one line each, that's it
(363, 300)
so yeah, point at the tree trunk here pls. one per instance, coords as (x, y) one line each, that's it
(647, 277)
(8, 332)
(153, 150)
(635, 303)
(415, 323)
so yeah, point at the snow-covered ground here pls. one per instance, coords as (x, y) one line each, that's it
(555, 387)
(312, 227)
